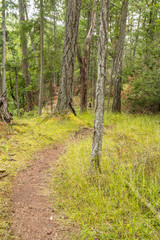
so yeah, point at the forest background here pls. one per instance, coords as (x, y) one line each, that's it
(32, 48)
(140, 71)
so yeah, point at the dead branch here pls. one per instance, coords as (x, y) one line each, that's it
(144, 201)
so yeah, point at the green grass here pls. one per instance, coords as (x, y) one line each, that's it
(103, 206)
(17, 145)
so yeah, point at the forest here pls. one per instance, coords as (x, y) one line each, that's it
(79, 119)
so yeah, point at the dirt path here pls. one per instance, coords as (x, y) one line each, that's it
(33, 217)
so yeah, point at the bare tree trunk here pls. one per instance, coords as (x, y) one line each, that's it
(4, 47)
(4, 114)
(84, 61)
(31, 38)
(136, 40)
(65, 98)
(94, 85)
(51, 94)
(117, 67)
(110, 86)
(17, 94)
(55, 44)
(99, 109)
(55, 80)
(16, 81)
(24, 47)
(0, 82)
(114, 42)
(42, 64)
(94, 74)
(91, 74)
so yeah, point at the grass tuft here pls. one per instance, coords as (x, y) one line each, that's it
(103, 206)
(27, 135)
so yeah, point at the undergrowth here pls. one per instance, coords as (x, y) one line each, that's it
(17, 145)
(104, 206)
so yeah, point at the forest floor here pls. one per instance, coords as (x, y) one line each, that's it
(33, 217)
(23, 173)
(47, 191)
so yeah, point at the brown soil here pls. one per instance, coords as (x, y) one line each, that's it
(33, 217)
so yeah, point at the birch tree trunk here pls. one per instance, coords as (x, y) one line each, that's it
(4, 47)
(23, 39)
(84, 61)
(99, 108)
(69, 52)
(42, 62)
(117, 67)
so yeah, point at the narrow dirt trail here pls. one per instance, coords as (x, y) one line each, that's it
(33, 217)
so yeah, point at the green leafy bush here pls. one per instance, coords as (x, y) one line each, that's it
(143, 93)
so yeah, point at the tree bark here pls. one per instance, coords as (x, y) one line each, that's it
(42, 61)
(4, 47)
(65, 98)
(55, 44)
(0, 82)
(136, 40)
(25, 65)
(4, 114)
(114, 42)
(99, 109)
(94, 84)
(30, 35)
(117, 66)
(84, 61)
(17, 94)
(16, 81)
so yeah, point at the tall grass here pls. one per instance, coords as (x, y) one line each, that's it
(17, 145)
(104, 206)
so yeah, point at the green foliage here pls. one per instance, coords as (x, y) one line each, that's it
(102, 206)
(143, 92)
